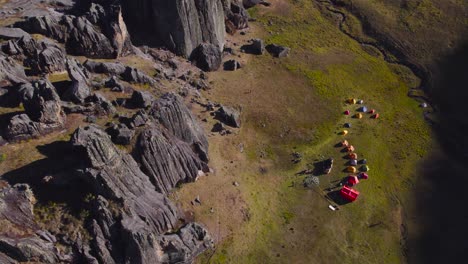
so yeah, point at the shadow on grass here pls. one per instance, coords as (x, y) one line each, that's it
(336, 197)
(51, 178)
(440, 195)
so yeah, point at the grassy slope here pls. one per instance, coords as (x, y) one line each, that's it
(296, 104)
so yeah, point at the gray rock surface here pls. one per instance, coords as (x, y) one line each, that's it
(12, 33)
(20, 243)
(207, 57)
(11, 72)
(117, 177)
(79, 89)
(105, 67)
(21, 127)
(184, 245)
(174, 115)
(167, 160)
(144, 215)
(180, 25)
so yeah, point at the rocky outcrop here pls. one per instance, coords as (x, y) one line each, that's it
(184, 245)
(207, 57)
(134, 230)
(172, 113)
(84, 39)
(43, 112)
(11, 72)
(116, 176)
(79, 89)
(228, 116)
(180, 25)
(100, 33)
(12, 33)
(19, 242)
(105, 67)
(167, 160)
(42, 103)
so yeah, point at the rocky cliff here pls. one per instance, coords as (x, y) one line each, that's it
(180, 25)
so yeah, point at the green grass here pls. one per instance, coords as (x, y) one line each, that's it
(288, 222)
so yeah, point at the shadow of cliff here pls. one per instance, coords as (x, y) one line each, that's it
(440, 194)
(52, 178)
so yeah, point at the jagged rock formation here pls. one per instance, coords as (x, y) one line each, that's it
(167, 160)
(135, 233)
(79, 89)
(100, 33)
(128, 74)
(11, 72)
(43, 112)
(180, 25)
(172, 113)
(19, 242)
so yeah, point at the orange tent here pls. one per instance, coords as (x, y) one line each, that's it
(344, 143)
(351, 169)
(353, 156)
(350, 148)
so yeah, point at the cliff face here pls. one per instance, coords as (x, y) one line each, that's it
(180, 25)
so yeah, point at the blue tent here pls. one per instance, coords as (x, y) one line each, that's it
(363, 109)
(347, 125)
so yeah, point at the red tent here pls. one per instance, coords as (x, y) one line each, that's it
(347, 112)
(349, 194)
(352, 180)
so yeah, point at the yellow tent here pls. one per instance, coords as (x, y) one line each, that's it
(344, 132)
(351, 169)
(351, 101)
(358, 116)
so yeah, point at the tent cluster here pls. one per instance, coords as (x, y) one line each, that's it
(356, 168)
(347, 192)
(361, 110)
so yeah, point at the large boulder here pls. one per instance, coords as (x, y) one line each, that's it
(228, 116)
(277, 50)
(174, 115)
(21, 127)
(167, 160)
(79, 89)
(48, 60)
(207, 57)
(141, 99)
(105, 67)
(42, 103)
(180, 25)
